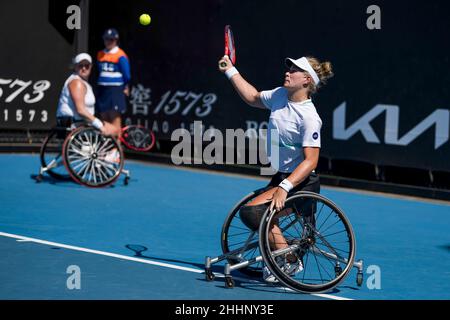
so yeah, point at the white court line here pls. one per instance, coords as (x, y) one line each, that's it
(155, 263)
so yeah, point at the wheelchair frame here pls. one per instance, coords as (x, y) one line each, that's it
(236, 255)
(69, 133)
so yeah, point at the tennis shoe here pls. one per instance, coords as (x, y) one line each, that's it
(268, 276)
(292, 268)
(113, 156)
(289, 268)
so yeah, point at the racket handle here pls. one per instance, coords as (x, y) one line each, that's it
(223, 64)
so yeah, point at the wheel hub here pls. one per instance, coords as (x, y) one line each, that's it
(310, 241)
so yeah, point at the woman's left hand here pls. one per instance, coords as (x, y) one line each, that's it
(278, 199)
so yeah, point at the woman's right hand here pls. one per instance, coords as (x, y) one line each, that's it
(225, 64)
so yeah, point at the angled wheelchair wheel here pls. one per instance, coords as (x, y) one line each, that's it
(315, 232)
(138, 138)
(238, 241)
(51, 154)
(92, 159)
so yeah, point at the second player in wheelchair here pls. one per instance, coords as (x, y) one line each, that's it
(77, 100)
(281, 222)
(88, 148)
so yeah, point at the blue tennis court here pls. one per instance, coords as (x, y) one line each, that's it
(148, 240)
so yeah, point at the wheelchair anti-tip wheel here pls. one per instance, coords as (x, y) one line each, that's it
(239, 243)
(315, 232)
(51, 155)
(91, 158)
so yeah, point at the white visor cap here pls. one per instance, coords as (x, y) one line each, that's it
(82, 56)
(303, 64)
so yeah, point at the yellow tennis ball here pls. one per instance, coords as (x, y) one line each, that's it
(145, 19)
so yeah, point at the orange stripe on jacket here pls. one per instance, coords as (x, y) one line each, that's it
(103, 56)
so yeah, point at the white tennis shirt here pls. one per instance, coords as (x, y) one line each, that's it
(66, 105)
(297, 125)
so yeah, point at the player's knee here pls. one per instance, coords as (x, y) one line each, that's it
(251, 216)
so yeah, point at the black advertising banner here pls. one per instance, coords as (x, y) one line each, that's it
(388, 103)
(36, 50)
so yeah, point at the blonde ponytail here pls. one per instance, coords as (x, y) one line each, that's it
(324, 71)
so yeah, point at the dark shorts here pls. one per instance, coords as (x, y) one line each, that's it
(312, 183)
(66, 122)
(251, 215)
(111, 98)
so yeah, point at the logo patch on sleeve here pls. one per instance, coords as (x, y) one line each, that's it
(315, 135)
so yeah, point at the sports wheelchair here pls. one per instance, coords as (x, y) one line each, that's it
(316, 231)
(82, 154)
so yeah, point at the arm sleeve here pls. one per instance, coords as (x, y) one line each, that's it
(124, 66)
(270, 97)
(311, 132)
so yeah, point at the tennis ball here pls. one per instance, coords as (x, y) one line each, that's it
(145, 19)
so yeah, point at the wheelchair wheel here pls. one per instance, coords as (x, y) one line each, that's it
(92, 159)
(236, 235)
(318, 234)
(51, 154)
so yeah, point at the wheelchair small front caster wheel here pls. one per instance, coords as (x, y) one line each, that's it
(209, 275)
(359, 279)
(229, 282)
(125, 182)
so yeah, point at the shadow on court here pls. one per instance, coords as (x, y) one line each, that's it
(138, 249)
(68, 182)
(445, 247)
(255, 284)
(51, 180)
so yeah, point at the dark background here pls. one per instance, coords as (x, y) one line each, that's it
(405, 64)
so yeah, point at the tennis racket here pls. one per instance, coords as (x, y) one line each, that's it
(230, 49)
(138, 138)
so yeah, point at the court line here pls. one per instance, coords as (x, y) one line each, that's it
(20, 238)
